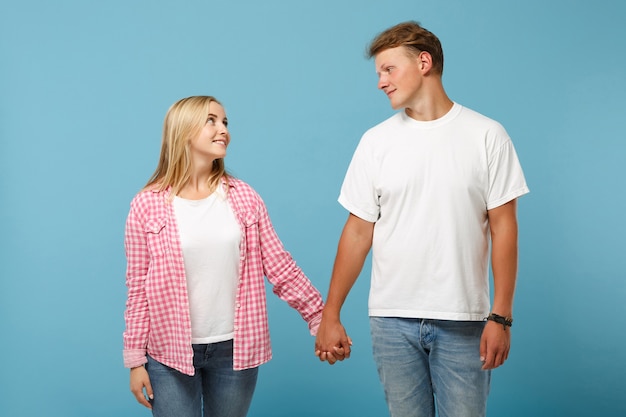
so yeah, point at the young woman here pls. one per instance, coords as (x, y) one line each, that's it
(199, 243)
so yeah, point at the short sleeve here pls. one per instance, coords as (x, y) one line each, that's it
(358, 192)
(506, 178)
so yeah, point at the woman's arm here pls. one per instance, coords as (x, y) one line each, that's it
(136, 313)
(289, 281)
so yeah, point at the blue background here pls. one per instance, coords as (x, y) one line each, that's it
(84, 86)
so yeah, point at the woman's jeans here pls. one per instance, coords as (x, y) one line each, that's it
(216, 390)
(425, 365)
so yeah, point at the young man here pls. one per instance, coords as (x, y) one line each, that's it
(428, 190)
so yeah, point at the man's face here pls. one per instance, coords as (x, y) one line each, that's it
(399, 76)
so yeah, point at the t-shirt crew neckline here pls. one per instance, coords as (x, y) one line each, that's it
(197, 202)
(431, 124)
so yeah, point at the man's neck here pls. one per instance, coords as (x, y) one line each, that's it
(432, 105)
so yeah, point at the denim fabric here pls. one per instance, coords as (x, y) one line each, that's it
(428, 365)
(216, 390)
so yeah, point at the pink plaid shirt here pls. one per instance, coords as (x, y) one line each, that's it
(157, 308)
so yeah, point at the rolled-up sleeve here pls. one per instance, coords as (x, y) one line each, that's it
(136, 314)
(288, 280)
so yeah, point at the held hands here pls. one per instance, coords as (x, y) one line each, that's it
(494, 345)
(332, 344)
(139, 380)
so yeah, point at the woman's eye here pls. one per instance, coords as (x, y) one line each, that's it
(210, 121)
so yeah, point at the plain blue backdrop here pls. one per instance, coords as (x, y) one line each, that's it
(84, 86)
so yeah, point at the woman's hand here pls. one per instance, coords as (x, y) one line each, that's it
(139, 380)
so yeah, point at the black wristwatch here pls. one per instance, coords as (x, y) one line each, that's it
(504, 321)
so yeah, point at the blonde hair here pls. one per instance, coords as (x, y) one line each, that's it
(183, 121)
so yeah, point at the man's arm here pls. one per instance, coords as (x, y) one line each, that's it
(332, 342)
(496, 339)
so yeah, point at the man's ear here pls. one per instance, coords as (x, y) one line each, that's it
(425, 61)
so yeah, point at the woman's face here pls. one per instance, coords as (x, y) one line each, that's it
(213, 139)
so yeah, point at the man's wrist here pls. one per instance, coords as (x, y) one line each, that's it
(503, 320)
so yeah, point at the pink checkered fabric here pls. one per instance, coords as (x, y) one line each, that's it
(157, 308)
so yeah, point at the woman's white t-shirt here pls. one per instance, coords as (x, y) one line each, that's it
(210, 238)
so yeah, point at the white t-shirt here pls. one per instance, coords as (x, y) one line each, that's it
(428, 186)
(210, 238)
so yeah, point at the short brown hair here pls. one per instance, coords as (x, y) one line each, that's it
(414, 37)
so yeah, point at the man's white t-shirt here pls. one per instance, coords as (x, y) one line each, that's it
(428, 186)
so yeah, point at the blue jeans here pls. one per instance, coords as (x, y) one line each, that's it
(216, 390)
(428, 365)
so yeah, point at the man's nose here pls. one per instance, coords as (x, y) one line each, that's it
(382, 82)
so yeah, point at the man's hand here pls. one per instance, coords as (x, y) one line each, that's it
(494, 345)
(332, 344)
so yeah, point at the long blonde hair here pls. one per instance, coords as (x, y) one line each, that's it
(183, 121)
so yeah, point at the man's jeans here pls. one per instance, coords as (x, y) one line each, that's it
(215, 387)
(428, 364)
